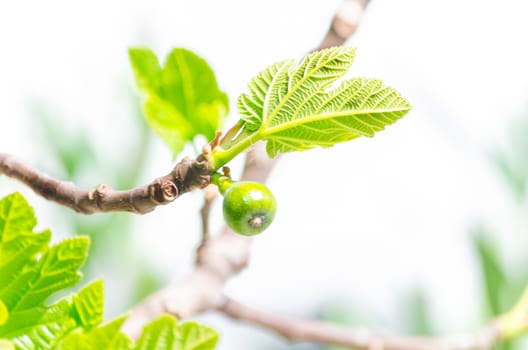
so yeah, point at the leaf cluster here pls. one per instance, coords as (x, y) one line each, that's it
(182, 98)
(291, 106)
(33, 271)
(296, 107)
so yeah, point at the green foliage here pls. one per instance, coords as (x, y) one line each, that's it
(511, 160)
(496, 284)
(493, 274)
(105, 337)
(164, 333)
(416, 307)
(186, 336)
(71, 149)
(297, 107)
(74, 155)
(32, 271)
(182, 98)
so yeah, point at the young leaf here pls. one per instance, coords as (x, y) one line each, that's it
(182, 98)
(106, 337)
(195, 336)
(296, 107)
(55, 271)
(32, 272)
(19, 247)
(162, 332)
(88, 305)
(166, 332)
(493, 274)
(146, 68)
(16, 216)
(40, 328)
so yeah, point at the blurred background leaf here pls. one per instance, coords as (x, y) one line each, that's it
(71, 154)
(182, 98)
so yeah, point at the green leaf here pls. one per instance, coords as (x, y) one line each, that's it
(31, 272)
(511, 159)
(167, 122)
(15, 216)
(166, 333)
(40, 328)
(18, 253)
(182, 98)
(162, 333)
(146, 69)
(56, 270)
(18, 244)
(494, 277)
(295, 107)
(195, 336)
(417, 308)
(88, 305)
(106, 337)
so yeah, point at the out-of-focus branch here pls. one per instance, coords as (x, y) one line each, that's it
(218, 259)
(184, 177)
(345, 23)
(295, 329)
(209, 196)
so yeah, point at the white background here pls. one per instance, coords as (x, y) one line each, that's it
(366, 221)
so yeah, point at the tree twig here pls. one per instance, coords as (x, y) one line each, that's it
(184, 177)
(295, 329)
(209, 197)
(220, 258)
(345, 23)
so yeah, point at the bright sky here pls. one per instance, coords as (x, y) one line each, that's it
(365, 221)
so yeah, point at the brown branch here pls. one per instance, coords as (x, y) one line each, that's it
(220, 258)
(184, 177)
(209, 197)
(345, 23)
(295, 329)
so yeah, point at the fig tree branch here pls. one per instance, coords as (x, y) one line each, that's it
(210, 193)
(187, 175)
(344, 23)
(218, 258)
(296, 329)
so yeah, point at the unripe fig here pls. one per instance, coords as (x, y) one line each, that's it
(249, 207)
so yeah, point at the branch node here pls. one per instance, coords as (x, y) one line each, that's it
(170, 191)
(163, 191)
(97, 195)
(98, 192)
